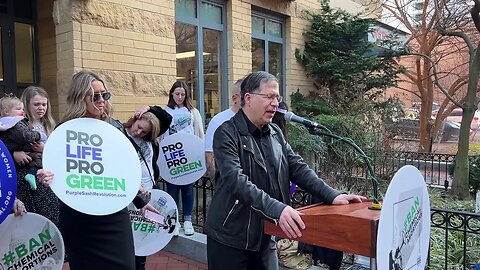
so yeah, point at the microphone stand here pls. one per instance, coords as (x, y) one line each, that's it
(376, 205)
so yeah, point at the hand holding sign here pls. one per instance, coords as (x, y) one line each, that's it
(153, 231)
(30, 242)
(94, 165)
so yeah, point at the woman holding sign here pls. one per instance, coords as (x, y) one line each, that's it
(142, 131)
(186, 119)
(103, 241)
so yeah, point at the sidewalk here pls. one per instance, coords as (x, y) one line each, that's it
(164, 260)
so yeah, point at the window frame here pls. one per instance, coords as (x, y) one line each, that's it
(269, 38)
(201, 25)
(7, 22)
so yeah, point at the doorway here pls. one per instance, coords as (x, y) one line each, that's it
(18, 65)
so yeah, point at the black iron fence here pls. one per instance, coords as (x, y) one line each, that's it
(455, 235)
(434, 167)
(454, 240)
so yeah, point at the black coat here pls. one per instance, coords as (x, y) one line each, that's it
(238, 208)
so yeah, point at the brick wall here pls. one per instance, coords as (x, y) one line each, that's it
(132, 44)
(47, 54)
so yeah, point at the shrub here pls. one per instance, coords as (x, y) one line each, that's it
(473, 174)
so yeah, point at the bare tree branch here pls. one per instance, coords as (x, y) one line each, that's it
(463, 36)
(437, 82)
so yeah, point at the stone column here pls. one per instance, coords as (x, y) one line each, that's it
(47, 53)
(131, 44)
(239, 24)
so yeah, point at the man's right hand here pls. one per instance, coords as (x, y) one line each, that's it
(21, 158)
(291, 223)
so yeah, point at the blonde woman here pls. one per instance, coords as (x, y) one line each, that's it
(143, 133)
(96, 242)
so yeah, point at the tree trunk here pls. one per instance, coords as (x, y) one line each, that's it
(426, 134)
(460, 186)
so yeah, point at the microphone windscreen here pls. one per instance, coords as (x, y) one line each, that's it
(288, 116)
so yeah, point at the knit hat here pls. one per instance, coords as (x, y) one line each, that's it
(164, 117)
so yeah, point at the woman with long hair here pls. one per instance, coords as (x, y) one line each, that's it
(186, 119)
(38, 117)
(143, 132)
(96, 242)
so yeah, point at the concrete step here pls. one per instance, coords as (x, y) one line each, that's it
(195, 248)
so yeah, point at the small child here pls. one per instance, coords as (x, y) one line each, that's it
(18, 136)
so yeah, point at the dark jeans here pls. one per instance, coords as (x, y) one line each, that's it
(221, 257)
(187, 197)
(140, 262)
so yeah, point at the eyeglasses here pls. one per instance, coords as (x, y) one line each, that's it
(105, 95)
(271, 97)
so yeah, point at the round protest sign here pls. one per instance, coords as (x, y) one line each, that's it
(182, 159)
(96, 168)
(153, 231)
(30, 241)
(8, 182)
(404, 227)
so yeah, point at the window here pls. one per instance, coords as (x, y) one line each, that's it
(200, 53)
(24, 52)
(18, 67)
(268, 46)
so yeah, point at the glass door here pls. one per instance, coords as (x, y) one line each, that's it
(5, 57)
(212, 71)
(2, 75)
(201, 53)
(17, 47)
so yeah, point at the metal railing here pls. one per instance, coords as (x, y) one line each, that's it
(455, 235)
(434, 167)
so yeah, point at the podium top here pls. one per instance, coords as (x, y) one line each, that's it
(350, 228)
(358, 210)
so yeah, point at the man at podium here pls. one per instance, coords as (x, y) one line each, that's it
(254, 167)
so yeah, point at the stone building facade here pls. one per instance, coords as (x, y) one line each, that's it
(142, 46)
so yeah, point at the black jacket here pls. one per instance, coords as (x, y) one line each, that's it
(238, 208)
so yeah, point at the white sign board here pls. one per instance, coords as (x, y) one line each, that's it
(30, 241)
(150, 235)
(477, 202)
(182, 159)
(404, 227)
(96, 168)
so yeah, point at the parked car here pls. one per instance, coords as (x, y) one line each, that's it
(404, 127)
(410, 129)
(456, 116)
(451, 131)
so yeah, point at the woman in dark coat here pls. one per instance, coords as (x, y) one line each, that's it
(96, 242)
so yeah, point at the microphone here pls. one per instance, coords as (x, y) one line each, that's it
(290, 116)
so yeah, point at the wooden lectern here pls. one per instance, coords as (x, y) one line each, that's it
(350, 228)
